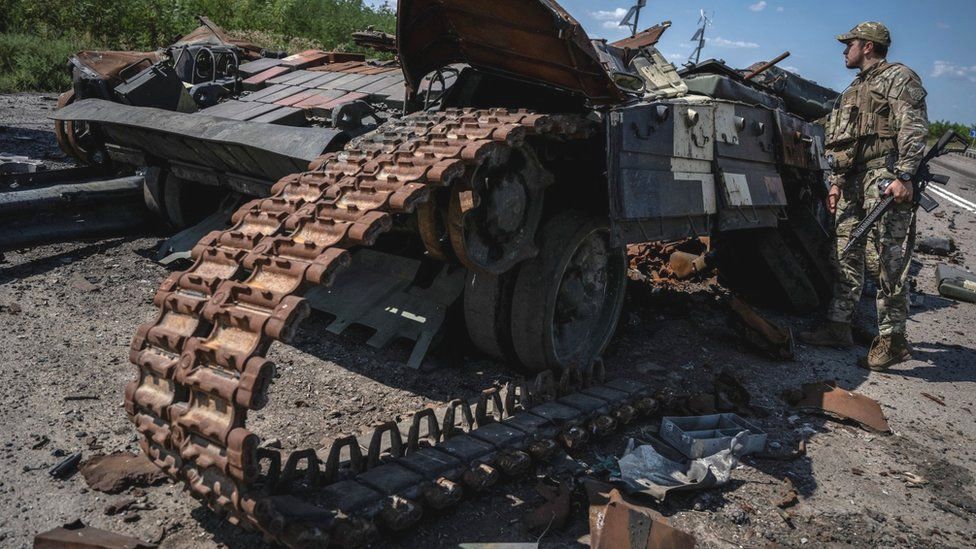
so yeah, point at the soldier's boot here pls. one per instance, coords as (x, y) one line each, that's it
(831, 334)
(886, 351)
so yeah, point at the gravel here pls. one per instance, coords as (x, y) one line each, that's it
(59, 342)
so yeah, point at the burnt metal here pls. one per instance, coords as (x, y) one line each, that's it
(536, 41)
(76, 535)
(66, 467)
(835, 401)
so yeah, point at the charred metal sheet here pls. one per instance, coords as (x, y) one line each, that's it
(258, 81)
(799, 141)
(533, 40)
(623, 525)
(377, 291)
(282, 116)
(257, 66)
(78, 536)
(250, 149)
(660, 171)
(644, 38)
(828, 398)
(306, 59)
(375, 40)
(772, 339)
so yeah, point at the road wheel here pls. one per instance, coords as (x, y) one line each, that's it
(567, 300)
(186, 203)
(488, 313)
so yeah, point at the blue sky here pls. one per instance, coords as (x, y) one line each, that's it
(935, 38)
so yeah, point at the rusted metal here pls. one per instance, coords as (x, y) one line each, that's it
(375, 40)
(201, 363)
(644, 38)
(620, 524)
(766, 66)
(828, 398)
(78, 536)
(117, 472)
(774, 340)
(536, 41)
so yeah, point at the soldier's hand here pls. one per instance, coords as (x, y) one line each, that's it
(901, 191)
(832, 198)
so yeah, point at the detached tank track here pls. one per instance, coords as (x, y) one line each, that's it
(201, 363)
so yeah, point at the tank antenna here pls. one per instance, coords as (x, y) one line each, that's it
(633, 17)
(703, 22)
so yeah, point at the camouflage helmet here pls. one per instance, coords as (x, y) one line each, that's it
(868, 30)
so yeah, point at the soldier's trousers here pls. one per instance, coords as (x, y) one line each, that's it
(891, 234)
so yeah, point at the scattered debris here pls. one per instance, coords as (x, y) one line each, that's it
(82, 284)
(78, 536)
(730, 394)
(657, 261)
(66, 467)
(12, 308)
(789, 497)
(933, 398)
(40, 441)
(619, 524)
(554, 512)
(644, 470)
(911, 479)
(702, 436)
(119, 506)
(684, 264)
(937, 245)
(826, 397)
(800, 451)
(773, 340)
(956, 283)
(116, 472)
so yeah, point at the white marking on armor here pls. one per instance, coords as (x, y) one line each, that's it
(709, 203)
(955, 200)
(737, 189)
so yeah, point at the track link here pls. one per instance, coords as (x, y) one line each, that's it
(201, 363)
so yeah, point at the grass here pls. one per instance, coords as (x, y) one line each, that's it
(38, 36)
(27, 63)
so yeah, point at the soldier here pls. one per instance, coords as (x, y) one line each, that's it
(882, 114)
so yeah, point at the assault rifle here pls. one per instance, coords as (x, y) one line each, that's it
(920, 181)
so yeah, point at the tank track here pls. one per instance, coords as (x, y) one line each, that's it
(201, 363)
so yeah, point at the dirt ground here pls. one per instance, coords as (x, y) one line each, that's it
(68, 311)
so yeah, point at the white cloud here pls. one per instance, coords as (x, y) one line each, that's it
(942, 25)
(758, 6)
(674, 56)
(780, 9)
(613, 16)
(951, 70)
(792, 69)
(720, 42)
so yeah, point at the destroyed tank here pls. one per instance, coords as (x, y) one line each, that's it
(525, 158)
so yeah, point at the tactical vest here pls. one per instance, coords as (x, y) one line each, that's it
(861, 129)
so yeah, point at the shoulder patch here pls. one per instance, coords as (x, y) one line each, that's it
(917, 93)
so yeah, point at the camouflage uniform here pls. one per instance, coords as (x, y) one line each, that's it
(882, 112)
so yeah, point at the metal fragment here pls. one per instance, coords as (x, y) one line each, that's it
(827, 397)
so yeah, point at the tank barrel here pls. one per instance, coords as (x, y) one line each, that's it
(766, 66)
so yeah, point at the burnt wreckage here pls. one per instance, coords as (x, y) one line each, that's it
(500, 169)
